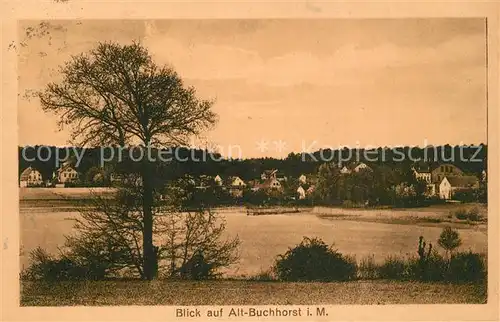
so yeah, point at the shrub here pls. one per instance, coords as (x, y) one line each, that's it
(467, 267)
(197, 268)
(367, 268)
(466, 195)
(482, 193)
(313, 260)
(429, 266)
(433, 268)
(449, 239)
(461, 214)
(47, 268)
(393, 268)
(473, 214)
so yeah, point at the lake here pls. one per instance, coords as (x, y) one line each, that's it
(264, 237)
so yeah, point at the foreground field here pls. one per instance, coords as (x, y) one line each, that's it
(246, 293)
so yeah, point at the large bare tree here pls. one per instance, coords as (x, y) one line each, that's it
(116, 95)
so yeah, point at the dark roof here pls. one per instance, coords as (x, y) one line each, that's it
(422, 167)
(270, 172)
(462, 181)
(65, 167)
(438, 166)
(267, 183)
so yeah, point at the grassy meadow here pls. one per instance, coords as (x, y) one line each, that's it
(159, 292)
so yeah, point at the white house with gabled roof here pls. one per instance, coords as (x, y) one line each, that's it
(30, 177)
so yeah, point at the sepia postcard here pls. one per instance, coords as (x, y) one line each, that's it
(305, 161)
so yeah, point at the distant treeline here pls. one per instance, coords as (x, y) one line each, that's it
(471, 159)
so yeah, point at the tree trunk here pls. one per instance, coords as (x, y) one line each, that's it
(150, 265)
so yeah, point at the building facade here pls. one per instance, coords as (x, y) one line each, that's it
(445, 170)
(30, 177)
(450, 185)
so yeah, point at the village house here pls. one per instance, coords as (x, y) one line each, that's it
(30, 177)
(235, 181)
(301, 193)
(361, 166)
(236, 186)
(445, 170)
(66, 174)
(269, 174)
(270, 184)
(218, 180)
(345, 170)
(451, 184)
(423, 173)
(354, 167)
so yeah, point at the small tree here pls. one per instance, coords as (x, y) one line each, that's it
(449, 240)
(95, 176)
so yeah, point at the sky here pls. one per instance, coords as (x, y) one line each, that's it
(288, 85)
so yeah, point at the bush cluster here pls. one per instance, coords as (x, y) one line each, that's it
(472, 214)
(47, 268)
(313, 260)
(461, 267)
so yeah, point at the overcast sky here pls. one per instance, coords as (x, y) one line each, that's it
(306, 83)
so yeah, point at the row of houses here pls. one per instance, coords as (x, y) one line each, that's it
(446, 179)
(269, 180)
(442, 181)
(32, 177)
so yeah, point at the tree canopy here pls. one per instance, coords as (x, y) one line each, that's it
(116, 95)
